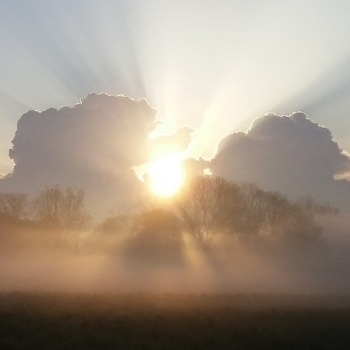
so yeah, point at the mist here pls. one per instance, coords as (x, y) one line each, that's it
(111, 264)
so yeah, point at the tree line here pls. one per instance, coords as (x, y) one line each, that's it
(207, 209)
(212, 212)
(54, 207)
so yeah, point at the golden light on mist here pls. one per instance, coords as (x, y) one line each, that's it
(166, 175)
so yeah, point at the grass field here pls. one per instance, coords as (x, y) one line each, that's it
(173, 321)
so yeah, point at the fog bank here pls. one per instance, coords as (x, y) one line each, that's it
(229, 267)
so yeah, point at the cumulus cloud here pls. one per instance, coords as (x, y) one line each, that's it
(289, 154)
(93, 145)
(96, 144)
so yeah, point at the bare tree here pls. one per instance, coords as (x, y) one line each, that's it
(209, 205)
(63, 208)
(13, 205)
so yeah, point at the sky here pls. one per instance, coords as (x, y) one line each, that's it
(213, 66)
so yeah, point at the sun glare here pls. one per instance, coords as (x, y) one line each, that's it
(166, 176)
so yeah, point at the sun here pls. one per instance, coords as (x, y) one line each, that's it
(165, 175)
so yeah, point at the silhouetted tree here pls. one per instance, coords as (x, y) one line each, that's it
(13, 205)
(259, 209)
(63, 208)
(208, 205)
(13, 210)
(274, 215)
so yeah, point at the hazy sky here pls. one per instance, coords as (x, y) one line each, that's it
(212, 65)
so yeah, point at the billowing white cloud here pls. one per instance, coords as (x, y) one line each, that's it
(98, 142)
(290, 154)
(92, 145)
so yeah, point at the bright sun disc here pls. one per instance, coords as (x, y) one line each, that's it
(166, 175)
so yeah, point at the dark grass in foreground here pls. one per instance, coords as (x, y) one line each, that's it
(166, 321)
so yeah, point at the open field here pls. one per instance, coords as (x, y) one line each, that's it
(173, 321)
